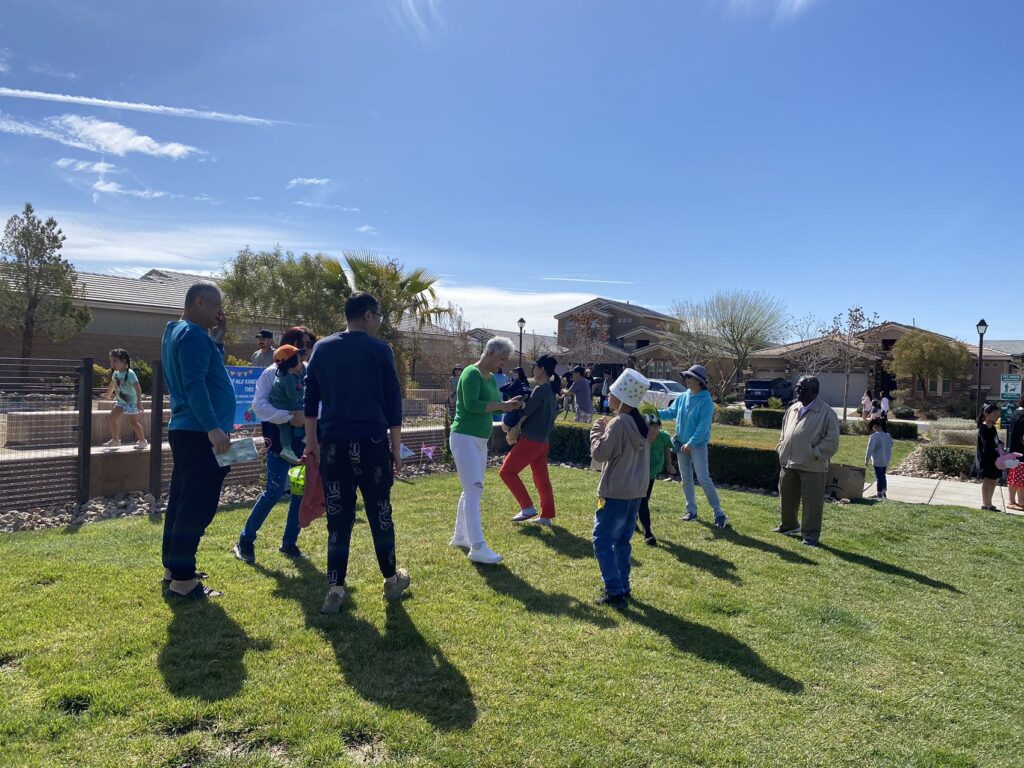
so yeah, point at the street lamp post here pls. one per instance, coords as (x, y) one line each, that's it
(982, 327)
(522, 324)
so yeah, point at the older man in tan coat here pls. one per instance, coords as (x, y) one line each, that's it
(810, 437)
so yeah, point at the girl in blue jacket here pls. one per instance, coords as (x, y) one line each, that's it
(693, 411)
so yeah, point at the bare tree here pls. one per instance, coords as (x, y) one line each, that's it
(813, 350)
(585, 332)
(722, 331)
(851, 336)
(457, 348)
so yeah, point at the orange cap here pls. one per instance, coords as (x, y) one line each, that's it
(284, 352)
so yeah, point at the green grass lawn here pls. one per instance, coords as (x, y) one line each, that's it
(897, 644)
(851, 447)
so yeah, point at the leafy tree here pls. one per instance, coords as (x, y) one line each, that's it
(722, 331)
(920, 356)
(39, 289)
(279, 289)
(403, 295)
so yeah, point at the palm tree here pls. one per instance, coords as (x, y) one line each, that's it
(402, 295)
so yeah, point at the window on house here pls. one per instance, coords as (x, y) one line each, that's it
(641, 343)
(931, 387)
(947, 386)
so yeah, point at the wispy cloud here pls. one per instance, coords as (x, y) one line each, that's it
(113, 188)
(494, 307)
(254, 197)
(586, 280)
(326, 206)
(366, 229)
(48, 71)
(5, 60)
(133, 106)
(86, 166)
(307, 182)
(420, 17)
(782, 10)
(95, 135)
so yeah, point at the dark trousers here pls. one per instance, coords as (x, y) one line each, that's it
(881, 485)
(196, 481)
(345, 465)
(798, 486)
(644, 515)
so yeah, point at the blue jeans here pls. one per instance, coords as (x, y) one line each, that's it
(697, 461)
(277, 484)
(881, 486)
(614, 522)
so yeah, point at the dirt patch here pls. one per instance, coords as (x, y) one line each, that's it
(364, 747)
(73, 703)
(9, 663)
(187, 725)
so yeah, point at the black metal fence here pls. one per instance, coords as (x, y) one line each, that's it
(45, 432)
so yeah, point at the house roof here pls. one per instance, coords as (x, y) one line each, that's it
(157, 289)
(601, 305)
(1009, 346)
(643, 330)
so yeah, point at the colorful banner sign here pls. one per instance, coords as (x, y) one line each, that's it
(243, 379)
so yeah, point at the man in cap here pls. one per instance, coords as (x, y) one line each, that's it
(263, 356)
(810, 437)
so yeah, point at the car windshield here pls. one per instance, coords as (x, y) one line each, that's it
(674, 386)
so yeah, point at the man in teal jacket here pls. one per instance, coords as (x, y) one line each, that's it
(693, 411)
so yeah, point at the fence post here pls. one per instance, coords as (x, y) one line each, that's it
(156, 430)
(84, 429)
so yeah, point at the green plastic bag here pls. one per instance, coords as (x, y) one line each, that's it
(297, 478)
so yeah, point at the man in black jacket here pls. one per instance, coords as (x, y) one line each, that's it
(353, 397)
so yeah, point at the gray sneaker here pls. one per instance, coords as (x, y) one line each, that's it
(394, 589)
(332, 603)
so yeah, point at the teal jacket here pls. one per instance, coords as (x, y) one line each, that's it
(692, 413)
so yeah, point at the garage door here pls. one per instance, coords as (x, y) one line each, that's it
(832, 388)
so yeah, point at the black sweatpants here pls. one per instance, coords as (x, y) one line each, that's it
(196, 481)
(345, 465)
(644, 517)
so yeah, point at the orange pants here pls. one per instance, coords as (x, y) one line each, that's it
(529, 452)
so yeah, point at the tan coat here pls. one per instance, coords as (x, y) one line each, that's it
(810, 442)
(625, 454)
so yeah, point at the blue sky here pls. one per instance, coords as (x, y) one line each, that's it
(828, 152)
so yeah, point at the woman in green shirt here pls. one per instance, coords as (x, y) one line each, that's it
(476, 398)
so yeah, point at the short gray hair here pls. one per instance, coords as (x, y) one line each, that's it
(499, 345)
(203, 287)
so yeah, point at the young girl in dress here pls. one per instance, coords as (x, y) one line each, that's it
(986, 454)
(124, 386)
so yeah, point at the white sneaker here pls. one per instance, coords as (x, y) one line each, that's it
(112, 443)
(142, 445)
(458, 541)
(333, 602)
(481, 553)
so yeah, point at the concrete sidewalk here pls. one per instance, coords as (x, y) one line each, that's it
(922, 490)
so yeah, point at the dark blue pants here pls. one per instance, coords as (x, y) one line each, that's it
(277, 484)
(881, 486)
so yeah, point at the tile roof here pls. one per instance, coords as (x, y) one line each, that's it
(160, 289)
(622, 306)
(1010, 346)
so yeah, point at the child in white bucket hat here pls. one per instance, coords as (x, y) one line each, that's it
(620, 444)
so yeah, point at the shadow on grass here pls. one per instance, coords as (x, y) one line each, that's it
(396, 668)
(205, 650)
(742, 540)
(561, 540)
(717, 566)
(504, 582)
(889, 568)
(711, 645)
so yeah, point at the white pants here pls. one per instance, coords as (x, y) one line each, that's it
(470, 454)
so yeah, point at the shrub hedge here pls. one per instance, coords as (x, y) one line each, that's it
(948, 459)
(897, 430)
(732, 416)
(767, 418)
(903, 412)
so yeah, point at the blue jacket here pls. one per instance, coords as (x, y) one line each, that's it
(202, 398)
(692, 413)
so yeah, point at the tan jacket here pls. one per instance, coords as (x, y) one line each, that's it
(809, 443)
(626, 457)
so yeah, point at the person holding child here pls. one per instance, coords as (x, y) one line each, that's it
(693, 412)
(124, 385)
(621, 445)
(476, 399)
(531, 445)
(661, 461)
(879, 453)
(274, 421)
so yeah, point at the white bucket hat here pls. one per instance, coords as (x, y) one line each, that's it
(630, 387)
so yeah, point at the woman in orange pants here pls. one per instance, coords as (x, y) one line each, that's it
(531, 449)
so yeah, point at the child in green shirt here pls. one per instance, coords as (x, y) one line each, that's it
(661, 461)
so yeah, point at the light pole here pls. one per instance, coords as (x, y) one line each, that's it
(982, 327)
(522, 324)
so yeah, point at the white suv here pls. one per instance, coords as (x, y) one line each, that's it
(663, 392)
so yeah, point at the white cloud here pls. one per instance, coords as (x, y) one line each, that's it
(366, 229)
(308, 204)
(113, 188)
(202, 197)
(254, 197)
(95, 135)
(85, 166)
(586, 280)
(48, 71)
(5, 58)
(493, 307)
(201, 114)
(781, 9)
(420, 17)
(305, 182)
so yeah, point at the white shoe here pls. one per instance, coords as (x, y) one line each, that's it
(481, 553)
(142, 445)
(333, 602)
(458, 541)
(112, 443)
